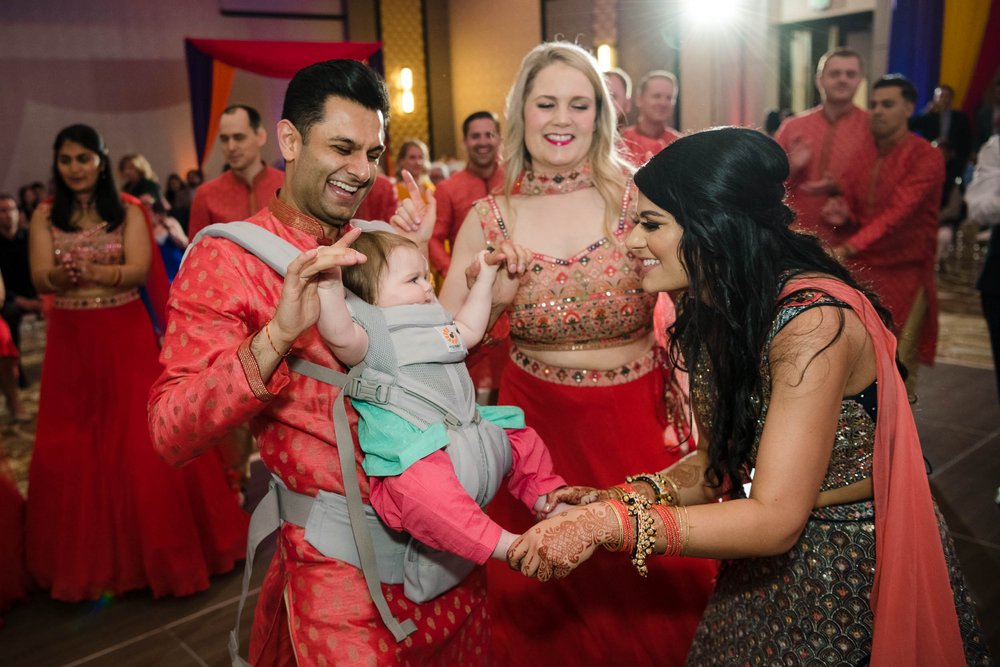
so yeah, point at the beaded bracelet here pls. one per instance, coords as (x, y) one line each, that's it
(654, 481)
(672, 495)
(664, 488)
(644, 540)
(621, 490)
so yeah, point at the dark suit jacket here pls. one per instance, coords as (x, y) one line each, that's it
(928, 126)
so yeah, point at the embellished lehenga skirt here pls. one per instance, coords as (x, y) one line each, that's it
(599, 427)
(810, 606)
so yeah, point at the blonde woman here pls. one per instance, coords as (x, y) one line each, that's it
(585, 365)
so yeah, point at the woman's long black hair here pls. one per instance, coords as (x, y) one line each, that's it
(106, 199)
(726, 189)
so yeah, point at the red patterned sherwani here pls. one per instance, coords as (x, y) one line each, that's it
(638, 148)
(228, 198)
(835, 149)
(312, 610)
(894, 198)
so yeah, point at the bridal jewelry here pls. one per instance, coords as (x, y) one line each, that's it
(532, 183)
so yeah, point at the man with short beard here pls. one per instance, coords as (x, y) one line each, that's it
(824, 142)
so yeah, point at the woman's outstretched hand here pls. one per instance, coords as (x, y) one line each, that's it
(557, 546)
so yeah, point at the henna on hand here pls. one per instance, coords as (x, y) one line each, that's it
(557, 546)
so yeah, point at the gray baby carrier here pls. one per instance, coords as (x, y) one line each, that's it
(412, 368)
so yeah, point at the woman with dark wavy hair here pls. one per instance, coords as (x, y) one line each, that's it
(833, 549)
(105, 513)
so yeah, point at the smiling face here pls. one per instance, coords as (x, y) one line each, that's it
(482, 142)
(333, 167)
(79, 167)
(656, 240)
(656, 101)
(404, 280)
(559, 118)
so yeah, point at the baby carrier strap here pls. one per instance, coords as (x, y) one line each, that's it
(266, 518)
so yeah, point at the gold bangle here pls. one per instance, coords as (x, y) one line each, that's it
(267, 332)
(671, 495)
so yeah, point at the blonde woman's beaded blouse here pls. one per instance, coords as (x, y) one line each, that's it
(96, 244)
(854, 441)
(589, 301)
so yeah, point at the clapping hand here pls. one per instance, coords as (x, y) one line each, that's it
(799, 154)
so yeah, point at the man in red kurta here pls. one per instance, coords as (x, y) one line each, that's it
(887, 221)
(824, 143)
(248, 184)
(232, 321)
(455, 195)
(652, 132)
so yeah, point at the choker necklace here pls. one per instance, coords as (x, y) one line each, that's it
(531, 183)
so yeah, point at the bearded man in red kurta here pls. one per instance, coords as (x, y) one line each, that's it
(232, 321)
(887, 221)
(825, 142)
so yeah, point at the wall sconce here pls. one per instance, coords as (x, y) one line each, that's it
(406, 100)
(605, 57)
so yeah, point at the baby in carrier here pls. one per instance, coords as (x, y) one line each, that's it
(434, 458)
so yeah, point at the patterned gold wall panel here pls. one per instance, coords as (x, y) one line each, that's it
(488, 42)
(403, 46)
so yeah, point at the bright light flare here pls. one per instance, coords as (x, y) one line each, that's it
(605, 57)
(712, 13)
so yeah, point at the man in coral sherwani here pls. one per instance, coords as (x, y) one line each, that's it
(824, 143)
(652, 131)
(886, 222)
(232, 321)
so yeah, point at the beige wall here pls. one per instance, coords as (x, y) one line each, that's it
(488, 42)
(119, 66)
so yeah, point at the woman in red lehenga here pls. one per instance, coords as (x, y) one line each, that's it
(585, 366)
(105, 513)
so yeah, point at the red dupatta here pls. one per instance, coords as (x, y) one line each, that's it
(915, 622)
(157, 286)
